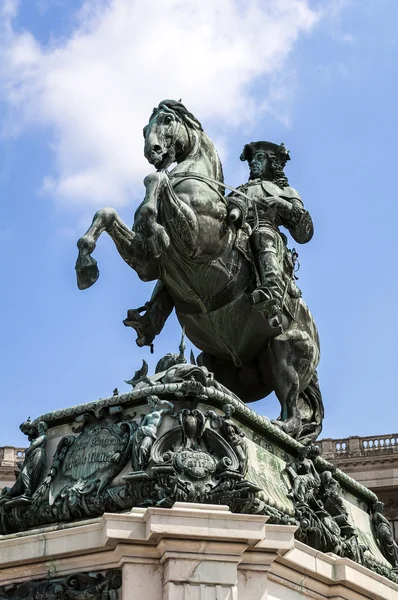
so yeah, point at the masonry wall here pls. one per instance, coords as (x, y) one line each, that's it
(189, 552)
(10, 456)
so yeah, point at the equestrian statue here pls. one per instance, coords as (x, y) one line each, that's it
(223, 264)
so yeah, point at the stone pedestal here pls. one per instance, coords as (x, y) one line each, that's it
(188, 552)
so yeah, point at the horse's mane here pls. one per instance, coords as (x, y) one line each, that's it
(180, 110)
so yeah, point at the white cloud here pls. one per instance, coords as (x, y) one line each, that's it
(348, 37)
(95, 89)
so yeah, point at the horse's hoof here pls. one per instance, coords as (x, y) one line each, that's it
(87, 271)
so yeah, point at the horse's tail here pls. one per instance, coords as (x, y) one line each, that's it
(311, 405)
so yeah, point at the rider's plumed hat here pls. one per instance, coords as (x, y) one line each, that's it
(279, 150)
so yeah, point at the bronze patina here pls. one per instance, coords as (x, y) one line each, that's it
(244, 312)
(183, 434)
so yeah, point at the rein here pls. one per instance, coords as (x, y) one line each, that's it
(204, 179)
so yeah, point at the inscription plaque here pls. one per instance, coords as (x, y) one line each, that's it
(93, 459)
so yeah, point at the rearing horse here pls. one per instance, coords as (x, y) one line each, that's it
(182, 236)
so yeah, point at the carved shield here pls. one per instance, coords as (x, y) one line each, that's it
(194, 463)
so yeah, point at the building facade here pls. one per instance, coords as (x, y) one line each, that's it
(371, 460)
(9, 459)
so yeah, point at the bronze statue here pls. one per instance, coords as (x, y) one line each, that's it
(269, 202)
(31, 469)
(303, 475)
(146, 433)
(384, 534)
(184, 237)
(234, 436)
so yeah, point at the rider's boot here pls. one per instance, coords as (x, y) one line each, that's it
(267, 297)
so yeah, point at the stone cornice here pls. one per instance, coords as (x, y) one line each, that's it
(188, 535)
(214, 397)
(357, 468)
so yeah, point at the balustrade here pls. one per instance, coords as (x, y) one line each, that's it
(359, 446)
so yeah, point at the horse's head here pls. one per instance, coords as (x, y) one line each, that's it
(170, 135)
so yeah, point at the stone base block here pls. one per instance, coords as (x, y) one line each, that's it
(188, 552)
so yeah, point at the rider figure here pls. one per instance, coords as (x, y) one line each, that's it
(271, 203)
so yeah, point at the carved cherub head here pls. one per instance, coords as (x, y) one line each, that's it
(310, 452)
(378, 506)
(153, 401)
(228, 410)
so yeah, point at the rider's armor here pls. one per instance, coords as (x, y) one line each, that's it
(267, 242)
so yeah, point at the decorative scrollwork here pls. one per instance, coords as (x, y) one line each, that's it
(79, 586)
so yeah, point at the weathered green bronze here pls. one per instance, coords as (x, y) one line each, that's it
(31, 470)
(79, 586)
(223, 264)
(184, 434)
(384, 535)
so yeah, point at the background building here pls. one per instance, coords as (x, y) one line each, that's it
(9, 459)
(371, 460)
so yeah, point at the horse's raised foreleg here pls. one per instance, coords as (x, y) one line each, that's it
(87, 271)
(179, 216)
(146, 217)
(129, 245)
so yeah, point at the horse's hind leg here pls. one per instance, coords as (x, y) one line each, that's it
(293, 357)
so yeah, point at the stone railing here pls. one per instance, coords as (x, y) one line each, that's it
(10, 456)
(359, 446)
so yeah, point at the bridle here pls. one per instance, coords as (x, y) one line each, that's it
(192, 147)
(198, 176)
(171, 148)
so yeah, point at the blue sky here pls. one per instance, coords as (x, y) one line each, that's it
(78, 81)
